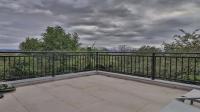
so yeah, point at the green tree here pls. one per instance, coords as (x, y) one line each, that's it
(188, 42)
(74, 41)
(54, 38)
(31, 44)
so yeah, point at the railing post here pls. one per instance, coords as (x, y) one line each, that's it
(97, 61)
(153, 66)
(53, 65)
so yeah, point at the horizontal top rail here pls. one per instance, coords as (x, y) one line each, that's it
(97, 52)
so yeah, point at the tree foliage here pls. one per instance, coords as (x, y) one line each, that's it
(188, 42)
(31, 44)
(54, 38)
(147, 48)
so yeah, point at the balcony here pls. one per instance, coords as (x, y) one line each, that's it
(96, 81)
(94, 93)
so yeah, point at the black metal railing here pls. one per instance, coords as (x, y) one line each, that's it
(23, 65)
(182, 67)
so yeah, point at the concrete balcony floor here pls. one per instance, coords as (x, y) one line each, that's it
(89, 94)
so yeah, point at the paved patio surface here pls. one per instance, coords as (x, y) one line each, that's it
(89, 94)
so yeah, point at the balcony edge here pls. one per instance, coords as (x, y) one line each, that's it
(170, 84)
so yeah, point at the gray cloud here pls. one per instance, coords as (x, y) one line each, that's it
(108, 22)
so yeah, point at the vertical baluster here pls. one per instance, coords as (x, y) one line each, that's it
(159, 66)
(42, 67)
(24, 67)
(135, 64)
(143, 65)
(139, 64)
(170, 67)
(53, 65)
(147, 66)
(195, 65)
(176, 68)
(4, 67)
(19, 64)
(14, 63)
(29, 65)
(182, 73)
(153, 65)
(9, 71)
(188, 69)
(131, 64)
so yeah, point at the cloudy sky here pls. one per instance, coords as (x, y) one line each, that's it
(108, 22)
